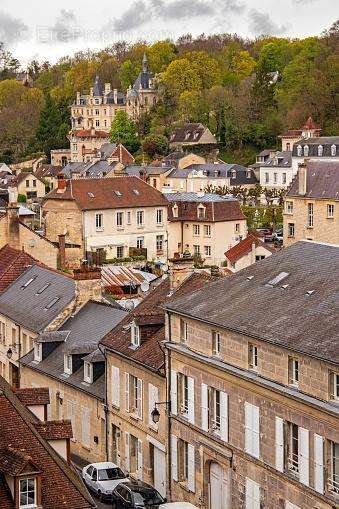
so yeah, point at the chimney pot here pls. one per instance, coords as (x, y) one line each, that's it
(302, 176)
(61, 184)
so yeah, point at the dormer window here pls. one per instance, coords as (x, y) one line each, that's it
(333, 150)
(67, 364)
(299, 150)
(175, 210)
(248, 174)
(306, 150)
(187, 135)
(201, 212)
(320, 150)
(88, 372)
(27, 492)
(234, 174)
(135, 334)
(37, 352)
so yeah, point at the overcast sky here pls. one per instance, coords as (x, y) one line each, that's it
(48, 30)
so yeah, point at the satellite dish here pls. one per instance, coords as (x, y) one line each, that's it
(129, 305)
(144, 287)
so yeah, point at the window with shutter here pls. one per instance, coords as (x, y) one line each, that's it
(152, 400)
(279, 444)
(127, 405)
(224, 416)
(191, 468)
(204, 407)
(139, 467)
(252, 495)
(304, 456)
(318, 463)
(127, 456)
(174, 457)
(191, 409)
(85, 427)
(174, 392)
(252, 429)
(115, 373)
(139, 398)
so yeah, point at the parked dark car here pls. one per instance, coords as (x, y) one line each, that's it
(136, 495)
(266, 233)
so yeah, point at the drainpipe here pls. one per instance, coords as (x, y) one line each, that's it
(106, 402)
(168, 378)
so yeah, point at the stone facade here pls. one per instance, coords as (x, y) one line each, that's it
(141, 96)
(230, 455)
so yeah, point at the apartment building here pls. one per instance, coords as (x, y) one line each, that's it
(311, 206)
(40, 299)
(113, 215)
(321, 148)
(136, 384)
(30, 185)
(67, 361)
(309, 130)
(276, 171)
(253, 366)
(35, 468)
(204, 225)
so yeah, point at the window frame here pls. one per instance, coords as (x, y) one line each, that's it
(293, 371)
(160, 217)
(135, 334)
(119, 219)
(37, 351)
(330, 207)
(207, 230)
(24, 506)
(196, 230)
(140, 217)
(68, 368)
(88, 375)
(290, 228)
(216, 343)
(289, 207)
(99, 221)
(310, 215)
(253, 357)
(183, 330)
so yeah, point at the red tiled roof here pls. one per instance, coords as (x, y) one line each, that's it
(13, 461)
(54, 430)
(244, 247)
(87, 133)
(108, 193)
(310, 124)
(150, 353)
(12, 264)
(60, 485)
(33, 395)
(218, 211)
(291, 133)
(124, 156)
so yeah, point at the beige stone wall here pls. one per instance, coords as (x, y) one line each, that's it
(96, 451)
(39, 188)
(223, 236)
(38, 247)
(83, 150)
(324, 230)
(249, 258)
(139, 428)
(63, 217)
(272, 360)
(275, 487)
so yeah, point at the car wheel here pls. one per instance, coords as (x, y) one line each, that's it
(100, 496)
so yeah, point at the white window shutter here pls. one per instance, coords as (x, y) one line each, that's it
(127, 465)
(127, 392)
(174, 457)
(279, 444)
(255, 432)
(224, 416)
(303, 438)
(191, 468)
(140, 459)
(191, 409)
(204, 407)
(252, 495)
(248, 428)
(85, 427)
(289, 505)
(318, 463)
(152, 400)
(174, 392)
(115, 384)
(139, 397)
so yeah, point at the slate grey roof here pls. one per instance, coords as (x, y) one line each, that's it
(313, 143)
(288, 317)
(33, 310)
(98, 88)
(91, 169)
(87, 328)
(195, 197)
(282, 159)
(322, 180)
(107, 150)
(217, 170)
(53, 336)
(153, 170)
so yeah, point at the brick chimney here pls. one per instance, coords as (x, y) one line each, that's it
(115, 96)
(302, 178)
(13, 226)
(88, 284)
(62, 183)
(62, 250)
(107, 88)
(179, 269)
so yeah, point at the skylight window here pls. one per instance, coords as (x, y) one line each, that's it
(278, 278)
(249, 278)
(43, 288)
(29, 282)
(52, 303)
(118, 193)
(135, 191)
(91, 195)
(310, 292)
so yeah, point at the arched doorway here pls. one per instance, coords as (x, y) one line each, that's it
(219, 487)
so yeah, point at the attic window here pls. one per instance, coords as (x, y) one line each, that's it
(135, 334)
(135, 191)
(196, 134)
(278, 278)
(43, 288)
(320, 150)
(333, 150)
(88, 372)
(37, 352)
(187, 135)
(118, 193)
(91, 195)
(249, 278)
(29, 282)
(306, 150)
(284, 286)
(67, 364)
(28, 492)
(310, 292)
(299, 150)
(51, 304)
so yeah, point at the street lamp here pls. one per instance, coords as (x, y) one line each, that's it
(9, 353)
(155, 414)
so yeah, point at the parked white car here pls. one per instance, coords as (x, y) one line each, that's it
(102, 478)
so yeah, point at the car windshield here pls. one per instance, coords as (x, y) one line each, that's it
(110, 474)
(145, 497)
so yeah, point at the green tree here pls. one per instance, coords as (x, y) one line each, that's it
(154, 145)
(161, 54)
(181, 75)
(123, 130)
(53, 128)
